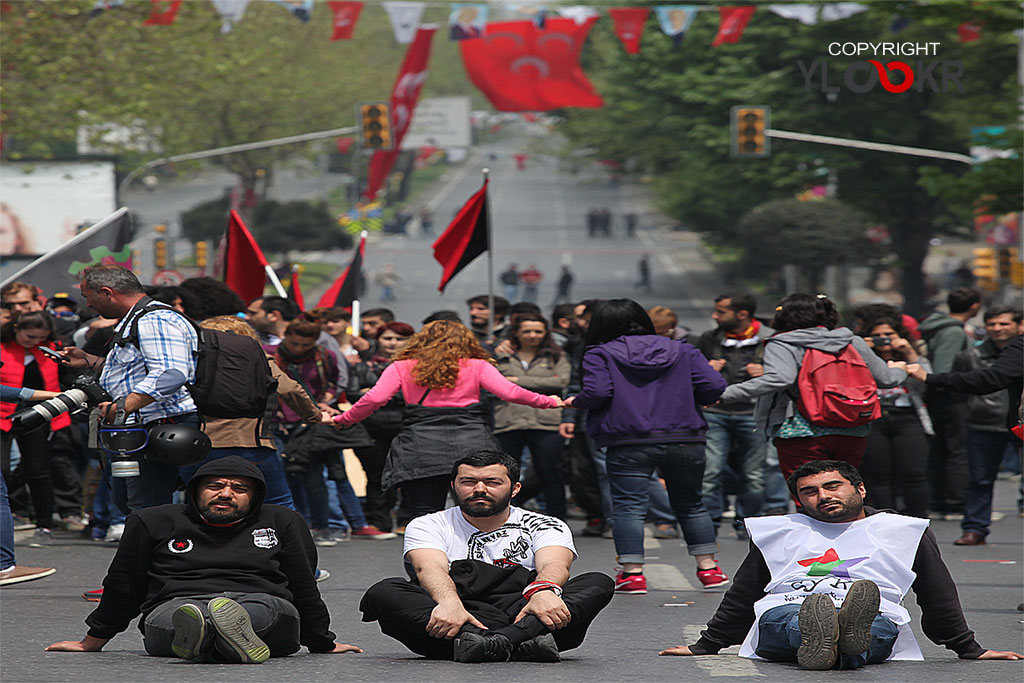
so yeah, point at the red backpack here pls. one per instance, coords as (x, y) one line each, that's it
(837, 390)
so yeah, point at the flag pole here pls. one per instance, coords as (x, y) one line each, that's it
(490, 257)
(356, 323)
(276, 282)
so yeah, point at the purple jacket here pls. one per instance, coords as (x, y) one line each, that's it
(646, 389)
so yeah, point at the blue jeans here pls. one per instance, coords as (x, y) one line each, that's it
(984, 455)
(266, 459)
(6, 529)
(725, 432)
(658, 508)
(629, 477)
(345, 508)
(776, 491)
(779, 637)
(104, 512)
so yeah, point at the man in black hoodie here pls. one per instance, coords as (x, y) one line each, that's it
(222, 578)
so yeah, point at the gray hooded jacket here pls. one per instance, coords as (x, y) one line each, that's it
(783, 355)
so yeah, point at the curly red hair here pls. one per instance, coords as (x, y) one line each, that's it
(439, 347)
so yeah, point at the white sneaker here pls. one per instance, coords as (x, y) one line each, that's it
(114, 533)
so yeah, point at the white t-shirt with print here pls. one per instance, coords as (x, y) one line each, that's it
(512, 544)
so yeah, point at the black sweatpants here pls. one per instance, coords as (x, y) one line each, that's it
(492, 595)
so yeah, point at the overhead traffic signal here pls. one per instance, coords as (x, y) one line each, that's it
(201, 254)
(375, 119)
(750, 124)
(1008, 257)
(160, 253)
(985, 266)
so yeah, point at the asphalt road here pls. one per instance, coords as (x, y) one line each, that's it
(622, 644)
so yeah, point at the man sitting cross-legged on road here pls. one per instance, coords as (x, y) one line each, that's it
(222, 578)
(837, 553)
(490, 582)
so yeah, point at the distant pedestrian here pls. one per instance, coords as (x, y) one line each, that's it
(630, 221)
(644, 268)
(530, 278)
(510, 282)
(564, 290)
(426, 222)
(386, 278)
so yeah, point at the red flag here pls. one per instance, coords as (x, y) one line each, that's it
(346, 14)
(403, 103)
(163, 13)
(466, 238)
(245, 267)
(345, 289)
(294, 292)
(969, 31)
(732, 22)
(520, 67)
(629, 25)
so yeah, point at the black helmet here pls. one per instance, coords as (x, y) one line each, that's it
(173, 444)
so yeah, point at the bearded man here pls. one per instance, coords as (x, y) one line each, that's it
(221, 578)
(490, 582)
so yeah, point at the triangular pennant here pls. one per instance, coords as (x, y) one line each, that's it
(405, 19)
(345, 289)
(230, 12)
(294, 290)
(245, 266)
(805, 14)
(732, 22)
(841, 10)
(675, 20)
(163, 12)
(578, 13)
(629, 25)
(346, 14)
(300, 9)
(969, 31)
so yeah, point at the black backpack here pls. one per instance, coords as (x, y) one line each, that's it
(233, 377)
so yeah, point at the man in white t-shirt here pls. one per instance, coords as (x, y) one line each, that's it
(490, 582)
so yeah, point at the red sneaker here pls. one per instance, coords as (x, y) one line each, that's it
(370, 531)
(630, 584)
(712, 578)
(93, 596)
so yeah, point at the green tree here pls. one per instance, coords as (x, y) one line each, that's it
(306, 226)
(668, 110)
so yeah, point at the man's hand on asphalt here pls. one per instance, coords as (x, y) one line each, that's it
(87, 644)
(677, 651)
(547, 607)
(341, 648)
(448, 618)
(567, 430)
(997, 654)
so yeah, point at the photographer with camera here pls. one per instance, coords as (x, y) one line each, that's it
(24, 344)
(897, 454)
(149, 360)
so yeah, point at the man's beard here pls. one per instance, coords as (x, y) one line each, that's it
(847, 511)
(471, 506)
(729, 325)
(222, 516)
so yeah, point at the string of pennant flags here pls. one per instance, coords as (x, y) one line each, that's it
(467, 21)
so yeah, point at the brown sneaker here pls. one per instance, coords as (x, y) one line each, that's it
(860, 607)
(819, 633)
(23, 574)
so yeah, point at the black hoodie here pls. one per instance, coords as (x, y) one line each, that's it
(170, 551)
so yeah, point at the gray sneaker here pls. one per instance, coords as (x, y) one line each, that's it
(189, 631)
(819, 633)
(235, 630)
(42, 538)
(324, 538)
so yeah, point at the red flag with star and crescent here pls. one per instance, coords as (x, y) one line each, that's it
(346, 14)
(520, 67)
(629, 25)
(732, 22)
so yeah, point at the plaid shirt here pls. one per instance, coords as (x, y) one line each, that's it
(159, 367)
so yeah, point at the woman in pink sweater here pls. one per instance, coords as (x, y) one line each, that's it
(440, 374)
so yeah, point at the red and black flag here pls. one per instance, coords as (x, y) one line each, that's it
(245, 266)
(465, 239)
(345, 289)
(294, 291)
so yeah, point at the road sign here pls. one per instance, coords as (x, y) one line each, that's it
(439, 122)
(168, 278)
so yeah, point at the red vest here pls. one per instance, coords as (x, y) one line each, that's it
(13, 373)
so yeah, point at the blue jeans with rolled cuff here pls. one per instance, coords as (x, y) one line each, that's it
(778, 638)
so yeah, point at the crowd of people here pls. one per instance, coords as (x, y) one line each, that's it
(601, 410)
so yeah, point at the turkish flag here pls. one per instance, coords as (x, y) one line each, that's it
(969, 31)
(403, 103)
(245, 266)
(345, 289)
(163, 12)
(732, 22)
(346, 14)
(466, 237)
(629, 25)
(520, 67)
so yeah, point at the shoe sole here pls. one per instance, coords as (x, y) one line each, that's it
(819, 633)
(856, 616)
(233, 625)
(29, 577)
(542, 648)
(189, 631)
(622, 591)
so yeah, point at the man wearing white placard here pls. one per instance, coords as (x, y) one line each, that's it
(835, 553)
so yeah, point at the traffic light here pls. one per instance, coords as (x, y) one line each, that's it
(985, 267)
(160, 253)
(749, 131)
(375, 119)
(201, 254)
(1008, 256)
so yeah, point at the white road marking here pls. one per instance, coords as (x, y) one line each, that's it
(726, 663)
(666, 577)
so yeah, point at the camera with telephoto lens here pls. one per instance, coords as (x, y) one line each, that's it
(84, 393)
(881, 341)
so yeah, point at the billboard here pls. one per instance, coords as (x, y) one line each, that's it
(42, 204)
(439, 122)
